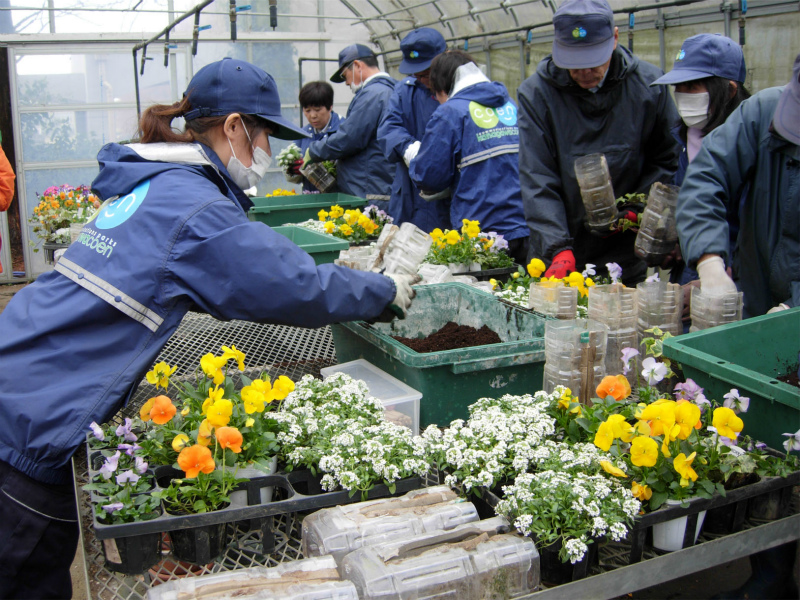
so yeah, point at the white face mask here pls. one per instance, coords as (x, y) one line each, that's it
(353, 87)
(247, 177)
(693, 108)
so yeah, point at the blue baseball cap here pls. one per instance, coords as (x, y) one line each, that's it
(235, 86)
(583, 36)
(346, 58)
(419, 48)
(706, 55)
(786, 120)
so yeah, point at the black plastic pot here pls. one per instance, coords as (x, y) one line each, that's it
(555, 572)
(200, 545)
(132, 555)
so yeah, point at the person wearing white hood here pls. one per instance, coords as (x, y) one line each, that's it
(471, 145)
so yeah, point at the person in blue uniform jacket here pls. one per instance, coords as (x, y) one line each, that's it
(759, 146)
(361, 168)
(471, 146)
(708, 76)
(758, 150)
(591, 95)
(403, 126)
(316, 101)
(172, 235)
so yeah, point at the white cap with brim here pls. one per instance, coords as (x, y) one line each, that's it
(786, 120)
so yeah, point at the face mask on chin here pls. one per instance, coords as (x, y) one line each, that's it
(353, 87)
(693, 108)
(247, 177)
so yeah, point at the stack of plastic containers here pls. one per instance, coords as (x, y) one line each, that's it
(407, 249)
(434, 273)
(615, 306)
(360, 258)
(597, 192)
(712, 310)
(660, 304)
(658, 233)
(572, 348)
(554, 299)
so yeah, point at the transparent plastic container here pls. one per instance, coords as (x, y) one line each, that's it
(319, 177)
(712, 310)
(597, 191)
(658, 232)
(614, 305)
(407, 249)
(468, 562)
(617, 340)
(342, 529)
(434, 273)
(659, 304)
(553, 299)
(564, 345)
(307, 579)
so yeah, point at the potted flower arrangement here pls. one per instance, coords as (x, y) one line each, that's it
(351, 224)
(59, 208)
(120, 483)
(469, 250)
(337, 431)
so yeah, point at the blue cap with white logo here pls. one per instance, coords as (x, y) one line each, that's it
(419, 49)
(235, 86)
(706, 55)
(583, 34)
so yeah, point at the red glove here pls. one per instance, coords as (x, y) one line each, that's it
(294, 168)
(563, 263)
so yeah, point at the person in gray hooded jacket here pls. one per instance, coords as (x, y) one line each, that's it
(590, 96)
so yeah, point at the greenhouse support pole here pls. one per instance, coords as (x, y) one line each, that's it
(661, 25)
(522, 60)
(726, 9)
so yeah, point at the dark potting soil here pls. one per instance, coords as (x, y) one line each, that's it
(450, 337)
(791, 378)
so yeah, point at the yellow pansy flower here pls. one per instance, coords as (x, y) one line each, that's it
(437, 234)
(250, 422)
(322, 214)
(282, 387)
(144, 412)
(253, 400)
(336, 211)
(180, 442)
(661, 416)
(687, 414)
(346, 230)
(212, 367)
(185, 411)
(644, 451)
(727, 423)
(620, 428)
(452, 237)
(494, 283)
(611, 469)
(536, 267)
(329, 226)
(604, 436)
(233, 353)
(220, 413)
(683, 465)
(641, 491)
(159, 376)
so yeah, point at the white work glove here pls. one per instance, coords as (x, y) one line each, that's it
(410, 153)
(405, 293)
(714, 280)
(778, 308)
(445, 193)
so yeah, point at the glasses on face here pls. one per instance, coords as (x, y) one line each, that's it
(421, 74)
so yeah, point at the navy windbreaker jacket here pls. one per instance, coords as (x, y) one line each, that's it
(330, 128)
(471, 146)
(404, 122)
(361, 168)
(170, 236)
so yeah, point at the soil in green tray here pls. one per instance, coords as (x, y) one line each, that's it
(450, 337)
(791, 378)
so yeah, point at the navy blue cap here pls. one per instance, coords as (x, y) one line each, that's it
(706, 55)
(235, 86)
(583, 36)
(787, 114)
(347, 56)
(419, 48)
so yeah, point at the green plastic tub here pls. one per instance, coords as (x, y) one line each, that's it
(323, 248)
(279, 210)
(748, 355)
(451, 380)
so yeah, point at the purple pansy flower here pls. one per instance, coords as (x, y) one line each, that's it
(688, 390)
(127, 477)
(627, 355)
(614, 271)
(141, 466)
(124, 431)
(110, 465)
(97, 431)
(113, 507)
(129, 448)
(736, 402)
(793, 443)
(654, 278)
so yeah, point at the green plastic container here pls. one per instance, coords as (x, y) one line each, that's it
(323, 248)
(748, 355)
(451, 380)
(279, 210)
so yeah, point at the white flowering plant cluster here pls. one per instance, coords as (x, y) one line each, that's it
(569, 499)
(336, 428)
(497, 442)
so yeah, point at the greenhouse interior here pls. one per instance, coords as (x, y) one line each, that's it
(438, 299)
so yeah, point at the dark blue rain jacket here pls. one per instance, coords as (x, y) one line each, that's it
(745, 149)
(471, 145)
(410, 109)
(361, 168)
(171, 236)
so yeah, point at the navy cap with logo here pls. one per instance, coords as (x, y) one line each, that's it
(235, 86)
(787, 114)
(346, 58)
(583, 34)
(419, 49)
(706, 55)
